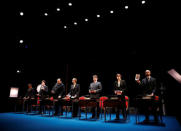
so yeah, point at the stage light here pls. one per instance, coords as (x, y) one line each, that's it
(111, 11)
(69, 4)
(98, 16)
(65, 27)
(126, 7)
(175, 75)
(75, 23)
(143, 1)
(45, 14)
(18, 71)
(86, 20)
(21, 13)
(58, 9)
(21, 41)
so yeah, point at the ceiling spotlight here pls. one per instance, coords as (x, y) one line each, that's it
(69, 4)
(126, 7)
(58, 9)
(21, 41)
(111, 11)
(65, 27)
(86, 20)
(98, 16)
(46, 14)
(18, 71)
(21, 13)
(143, 1)
(75, 23)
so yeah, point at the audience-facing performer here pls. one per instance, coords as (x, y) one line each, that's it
(148, 85)
(74, 94)
(42, 90)
(119, 90)
(95, 89)
(29, 94)
(58, 91)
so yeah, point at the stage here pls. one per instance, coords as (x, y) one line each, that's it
(21, 122)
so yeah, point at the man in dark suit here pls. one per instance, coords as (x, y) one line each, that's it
(42, 90)
(58, 91)
(30, 92)
(27, 99)
(74, 94)
(120, 89)
(95, 89)
(149, 86)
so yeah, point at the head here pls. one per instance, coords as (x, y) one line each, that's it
(95, 78)
(74, 80)
(147, 73)
(118, 76)
(29, 86)
(43, 82)
(59, 81)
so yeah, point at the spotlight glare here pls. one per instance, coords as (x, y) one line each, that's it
(75, 23)
(143, 1)
(21, 13)
(69, 4)
(86, 19)
(46, 14)
(126, 7)
(65, 27)
(21, 41)
(111, 11)
(98, 16)
(58, 9)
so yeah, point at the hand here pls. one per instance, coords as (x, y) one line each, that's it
(138, 81)
(59, 97)
(53, 92)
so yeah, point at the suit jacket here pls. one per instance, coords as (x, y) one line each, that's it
(122, 86)
(44, 92)
(97, 87)
(75, 90)
(148, 86)
(59, 90)
(30, 93)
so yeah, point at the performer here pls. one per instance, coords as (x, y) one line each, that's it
(58, 91)
(74, 94)
(95, 89)
(148, 85)
(29, 94)
(42, 90)
(119, 90)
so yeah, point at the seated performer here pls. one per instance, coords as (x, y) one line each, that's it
(74, 94)
(95, 90)
(149, 86)
(58, 91)
(42, 90)
(119, 90)
(29, 94)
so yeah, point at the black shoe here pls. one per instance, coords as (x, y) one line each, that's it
(146, 121)
(117, 119)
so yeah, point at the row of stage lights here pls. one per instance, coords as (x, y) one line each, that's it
(126, 7)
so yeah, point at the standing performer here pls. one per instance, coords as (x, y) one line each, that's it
(148, 85)
(58, 91)
(95, 89)
(74, 94)
(42, 90)
(119, 89)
